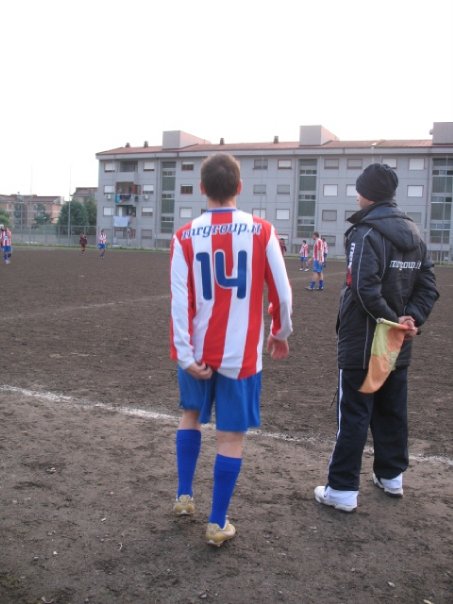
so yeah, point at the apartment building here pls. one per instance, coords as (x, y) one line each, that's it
(84, 194)
(146, 193)
(26, 210)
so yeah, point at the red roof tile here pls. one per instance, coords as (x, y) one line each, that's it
(280, 146)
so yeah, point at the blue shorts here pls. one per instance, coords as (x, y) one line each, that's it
(101, 246)
(237, 402)
(317, 266)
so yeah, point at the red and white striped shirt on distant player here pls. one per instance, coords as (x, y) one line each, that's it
(304, 250)
(318, 250)
(219, 264)
(5, 238)
(102, 238)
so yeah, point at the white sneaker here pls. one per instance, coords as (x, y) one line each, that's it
(345, 501)
(391, 486)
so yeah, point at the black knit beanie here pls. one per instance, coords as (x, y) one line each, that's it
(377, 182)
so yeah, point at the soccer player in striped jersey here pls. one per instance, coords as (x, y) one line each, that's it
(318, 261)
(220, 263)
(6, 243)
(303, 255)
(102, 243)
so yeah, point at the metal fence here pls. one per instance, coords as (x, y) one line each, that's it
(53, 234)
(58, 235)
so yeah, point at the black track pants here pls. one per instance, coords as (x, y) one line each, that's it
(385, 412)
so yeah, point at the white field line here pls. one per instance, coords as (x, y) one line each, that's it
(154, 415)
(49, 312)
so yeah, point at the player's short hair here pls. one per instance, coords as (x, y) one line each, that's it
(315, 234)
(220, 176)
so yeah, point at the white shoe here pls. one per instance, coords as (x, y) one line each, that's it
(391, 486)
(345, 501)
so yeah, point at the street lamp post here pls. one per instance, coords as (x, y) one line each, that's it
(69, 222)
(20, 200)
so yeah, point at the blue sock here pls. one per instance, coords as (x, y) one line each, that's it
(312, 285)
(226, 472)
(188, 444)
(321, 283)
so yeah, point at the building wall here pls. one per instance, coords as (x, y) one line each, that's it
(271, 186)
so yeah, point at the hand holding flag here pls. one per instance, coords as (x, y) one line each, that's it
(385, 348)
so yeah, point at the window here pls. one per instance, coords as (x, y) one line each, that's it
(259, 189)
(128, 166)
(331, 163)
(185, 212)
(147, 234)
(441, 211)
(354, 163)
(284, 164)
(439, 236)
(148, 166)
(305, 227)
(307, 183)
(147, 211)
(331, 240)
(186, 189)
(330, 190)
(109, 189)
(107, 211)
(261, 212)
(443, 161)
(349, 213)
(109, 166)
(415, 190)
(187, 166)
(148, 189)
(166, 224)
(306, 205)
(168, 171)
(417, 163)
(167, 203)
(351, 191)
(307, 171)
(390, 161)
(283, 189)
(416, 217)
(329, 215)
(282, 215)
(260, 164)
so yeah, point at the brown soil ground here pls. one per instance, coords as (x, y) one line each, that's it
(88, 411)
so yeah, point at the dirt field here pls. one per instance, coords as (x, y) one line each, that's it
(88, 411)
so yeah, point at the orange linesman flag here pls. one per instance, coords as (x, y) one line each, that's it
(385, 348)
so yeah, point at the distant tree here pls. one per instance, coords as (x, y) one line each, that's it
(4, 217)
(90, 205)
(78, 217)
(42, 217)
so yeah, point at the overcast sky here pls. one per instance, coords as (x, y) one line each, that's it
(79, 77)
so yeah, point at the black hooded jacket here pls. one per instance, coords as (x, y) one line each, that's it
(389, 275)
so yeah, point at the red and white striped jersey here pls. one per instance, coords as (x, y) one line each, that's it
(5, 238)
(318, 250)
(102, 238)
(219, 264)
(304, 250)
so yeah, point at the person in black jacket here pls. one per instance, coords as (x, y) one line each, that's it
(389, 276)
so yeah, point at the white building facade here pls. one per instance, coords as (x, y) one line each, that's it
(146, 193)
